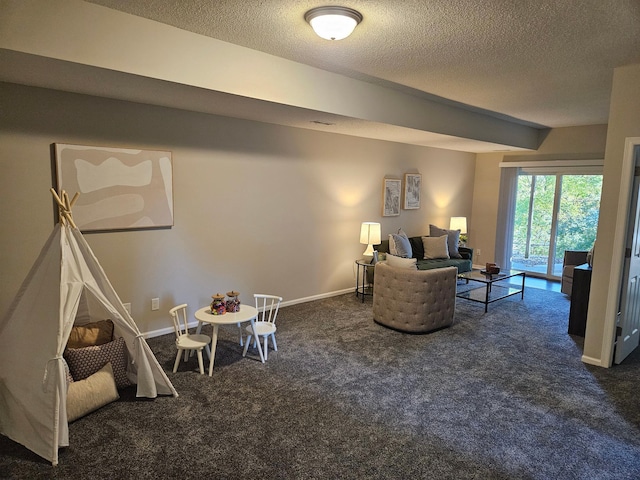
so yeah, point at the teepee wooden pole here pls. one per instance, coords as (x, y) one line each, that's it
(64, 206)
(65, 199)
(73, 200)
(61, 218)
(70, 219)
(56, 197)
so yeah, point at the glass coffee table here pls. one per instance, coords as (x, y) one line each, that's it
(496, 286)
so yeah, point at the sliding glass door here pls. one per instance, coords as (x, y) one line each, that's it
(554, 212)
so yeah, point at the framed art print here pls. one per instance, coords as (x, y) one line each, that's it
(120, 188)
(412, 185)
(391, 197)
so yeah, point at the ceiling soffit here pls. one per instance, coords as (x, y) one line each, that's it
(206, 70)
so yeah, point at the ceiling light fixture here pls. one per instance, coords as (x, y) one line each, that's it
(333, 23)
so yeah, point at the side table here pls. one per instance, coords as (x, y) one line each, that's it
(363, 287)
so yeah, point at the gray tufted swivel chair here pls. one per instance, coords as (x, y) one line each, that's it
(415, 301)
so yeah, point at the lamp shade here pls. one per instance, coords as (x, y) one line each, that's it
(458, 223)
(370, 236)
(333, 23)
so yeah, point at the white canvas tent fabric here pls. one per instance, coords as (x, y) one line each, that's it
(65, 278)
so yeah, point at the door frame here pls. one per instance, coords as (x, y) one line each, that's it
(631, 256)
(617, 258)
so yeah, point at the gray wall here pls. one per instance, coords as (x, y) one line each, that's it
(258, 207)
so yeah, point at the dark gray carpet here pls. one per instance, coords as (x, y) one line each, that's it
(498, 395)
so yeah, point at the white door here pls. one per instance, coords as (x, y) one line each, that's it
(628, 331)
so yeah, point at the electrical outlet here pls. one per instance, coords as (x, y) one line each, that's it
(479, 252)
(155, 304)
(127, 307)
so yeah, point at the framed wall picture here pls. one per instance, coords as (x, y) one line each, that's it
(391, 197)
(120, 188)
(412, 186)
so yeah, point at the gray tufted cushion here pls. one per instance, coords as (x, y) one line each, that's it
(415, 301)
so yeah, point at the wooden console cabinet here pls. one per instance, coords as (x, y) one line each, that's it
(579, 300)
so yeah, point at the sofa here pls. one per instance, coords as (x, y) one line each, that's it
(464, 264)
(414, 301)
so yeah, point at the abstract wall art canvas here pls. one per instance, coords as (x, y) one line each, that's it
(412, 185)
(120, 188)
(391, 197)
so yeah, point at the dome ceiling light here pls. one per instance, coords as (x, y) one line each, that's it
(333, 23)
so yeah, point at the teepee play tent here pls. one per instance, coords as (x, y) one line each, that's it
(65, 286)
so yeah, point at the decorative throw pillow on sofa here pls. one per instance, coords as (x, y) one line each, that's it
(67, 373)
(89, 334)
(90, 394)
(392, 245)
(453, 239)
(399, 262)
(435, 247)
(84, 362)
(401, 245)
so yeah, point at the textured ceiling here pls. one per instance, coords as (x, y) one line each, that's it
(541, 62)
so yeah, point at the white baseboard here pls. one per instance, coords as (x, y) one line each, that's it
(162, 331)
(317, 297)
(168, 330)
(593, 361)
